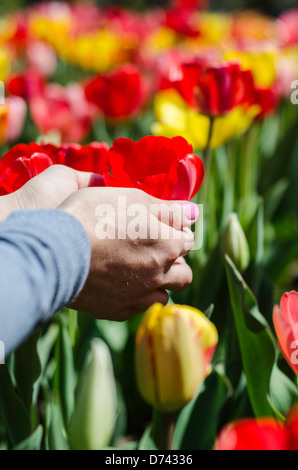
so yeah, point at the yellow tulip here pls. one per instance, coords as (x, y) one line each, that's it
(262, 65)
(174, 347)
(176, 118)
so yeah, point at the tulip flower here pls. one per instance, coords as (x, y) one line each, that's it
(165, 168)
(64, 109)
(288, 27)
(176, 118)
(120, 95)
(234, 243)
(26, 85)
(174, 348)
(95, 410)
(260, 434)
(222, 88)
(285, 320)
(23, 162)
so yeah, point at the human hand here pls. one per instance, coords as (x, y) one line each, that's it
(47, 190)
(128, 275)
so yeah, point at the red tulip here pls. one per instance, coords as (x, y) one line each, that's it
(260, 434)
(182, 22)
(214, 90)
(64, 109)
(268, 100)
(26, 85)
(191, 4)
(23, 162)
(221, 88)
(120, 95)
(165, 168)
(285, 322)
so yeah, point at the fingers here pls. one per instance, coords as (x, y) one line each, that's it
(176, 214)
(174, 243)
(178, 277)
(51, 187)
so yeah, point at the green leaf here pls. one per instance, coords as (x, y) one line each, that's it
(33, 442)
(27, 368)
(147, 441)
(255, 234)
(197, 424)
(16, 416)
(258, 351)
(283, 392)
(65, 377)
(208, 312)
(57, 439)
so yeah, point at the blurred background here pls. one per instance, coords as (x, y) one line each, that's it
(273, 7)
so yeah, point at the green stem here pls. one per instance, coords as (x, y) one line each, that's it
(163, 429)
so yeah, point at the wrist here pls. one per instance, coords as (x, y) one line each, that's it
(8, 204)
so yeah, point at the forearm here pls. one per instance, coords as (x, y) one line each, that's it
(44, 263)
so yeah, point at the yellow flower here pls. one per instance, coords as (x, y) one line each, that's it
(176, 118)
(5, 63)
(161, 39)
(261, 64)
(174, 348)
(214, 28)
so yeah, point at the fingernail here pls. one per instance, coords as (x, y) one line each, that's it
(191, 211)
(96, 181)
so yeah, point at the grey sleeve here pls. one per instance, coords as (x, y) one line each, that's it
(44, 263)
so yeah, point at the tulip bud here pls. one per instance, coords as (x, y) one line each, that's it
(174, 348)
(96, 402)
(234, 243)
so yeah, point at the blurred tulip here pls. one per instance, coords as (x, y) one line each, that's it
(261, 64)
(288, 26)
(23, 162)
(174, 348)
(222, 88)
(176, 118)
(64, 109)
(26, 85)
(260, 434)
(182, 22)
(96, 402)
(165, 168)
(120, 95)
(285, 322)
(234, 243)
(16, 117)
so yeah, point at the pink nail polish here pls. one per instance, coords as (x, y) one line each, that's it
(191, 211)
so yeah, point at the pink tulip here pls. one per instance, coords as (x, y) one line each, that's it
(285, 322)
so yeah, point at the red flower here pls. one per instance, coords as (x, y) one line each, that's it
(267, 99)
(214, 90)
(260, 434)
(165, 168)
(182, 21)
(190, 4)
(285, 322)
(26, 85)
(119, 95)
(64, 109)
(222, 88)
(23, 162)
